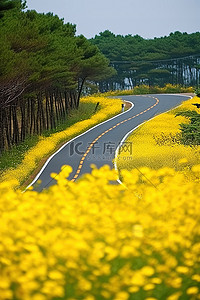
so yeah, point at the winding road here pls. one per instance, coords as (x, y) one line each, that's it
(98, 144)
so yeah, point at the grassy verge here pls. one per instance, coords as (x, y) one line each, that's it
(158, 143)
(13, 157)
(25, 159)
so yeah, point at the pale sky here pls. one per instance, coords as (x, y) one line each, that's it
(148, 18)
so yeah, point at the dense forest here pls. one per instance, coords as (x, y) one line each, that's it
(171, 59)
(43, 67)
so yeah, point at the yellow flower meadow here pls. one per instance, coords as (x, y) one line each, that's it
(155, 144)
(91, 240)
(46, 145)
(146, 89)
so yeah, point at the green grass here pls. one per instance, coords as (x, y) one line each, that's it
(14, 156)
(190, 132)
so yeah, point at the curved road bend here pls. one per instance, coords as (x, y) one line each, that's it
(98, 145)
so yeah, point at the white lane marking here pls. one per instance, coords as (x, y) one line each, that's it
(129, 132)
(49, 159)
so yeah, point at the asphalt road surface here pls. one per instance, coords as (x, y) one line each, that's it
(98, 145)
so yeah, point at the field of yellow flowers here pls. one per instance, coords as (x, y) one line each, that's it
(46, 145)
(90, 240)
(156, 144)
(146, 89)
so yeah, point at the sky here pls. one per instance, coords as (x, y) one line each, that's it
(147, 18)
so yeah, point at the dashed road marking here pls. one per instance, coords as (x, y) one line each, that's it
(106, 131)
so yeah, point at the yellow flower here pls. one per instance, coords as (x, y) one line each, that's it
(55, 275)
(85, 285)
(182, 269)
(133, 289)
(157, 145)
(149, 287)
(4, 284)
(138, 231)
(192, 290)
(156, 280)
(175, 282)
(147, 271)
(77, 238)
(90, 297)
(183, 161)
(6, 295)
(38, 297)
(174, 296)
(121, 296)
(138, 279)
(196, 277)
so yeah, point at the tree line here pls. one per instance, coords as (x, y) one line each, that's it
(43, 68)
(171, 59)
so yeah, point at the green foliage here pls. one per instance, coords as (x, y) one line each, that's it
(170, 59)
(190, 133)
(43, 69)
(6, 5)
(47, 51)
(197, 92)
(135, 48)
(14, 156)
(93, 62)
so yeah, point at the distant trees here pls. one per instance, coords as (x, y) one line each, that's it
(6, 5)
(171, 59)
(43, 68)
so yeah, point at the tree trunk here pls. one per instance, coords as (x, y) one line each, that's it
(80, 91)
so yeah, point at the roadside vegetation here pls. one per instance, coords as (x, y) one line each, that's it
(190, 132)
(146, 89)
(12, 157)
(43, 69)
(169, 140)
(95, 241)
(41, 147)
